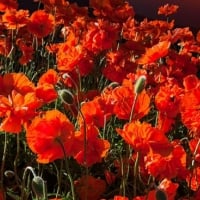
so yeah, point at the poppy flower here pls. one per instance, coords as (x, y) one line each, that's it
(95, 112)
(167, 99)
(15, 19)
(15, 81)
(122, 98)
(17, 110)
(168, 166)
(144, 138)
(101, 35)
(96, 148)
(117, 197)
(74, 58)
(45, 89)
(41, 24)
(50, 135)
(168, 9)
(193, 179)
(8, 4)
(89, 187)
(154, 53)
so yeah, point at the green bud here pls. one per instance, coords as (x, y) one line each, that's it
(140, 84)
(38, 186)
(66, 96)
(161, 195)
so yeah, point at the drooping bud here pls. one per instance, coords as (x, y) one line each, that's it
(140, 84)
(161, 195)
(66, 96)
(38, 186)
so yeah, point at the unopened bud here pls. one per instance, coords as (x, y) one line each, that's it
(161, 195)
(140, 84)
(66, 96)
(38, 186)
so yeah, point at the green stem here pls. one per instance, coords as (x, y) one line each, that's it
(3, 160)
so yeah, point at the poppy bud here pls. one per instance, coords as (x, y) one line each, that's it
(66, 96)
(140, 84)
(38, 186)
(161, 195)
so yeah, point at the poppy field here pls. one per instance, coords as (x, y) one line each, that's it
(98, 105)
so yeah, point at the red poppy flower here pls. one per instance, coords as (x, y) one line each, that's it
(96, 148)
(101, 36)
(154, 53)
(95, 112)
(15, 19)
(50, 135)
(167, 99)
(41, 23)
(89, 187)
(45, 89)
(144, 138)
(15, 81)
(189, 108)
(193, 179)
(122, 99)
(169, 166)
(74, 58)
(168, 9)
(120, 198)
(8, 4)
(17, 110)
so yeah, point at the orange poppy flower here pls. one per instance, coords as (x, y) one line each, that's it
(95, 112)
(15, 19)
(45, 89)
(167, 99)
(41, 24)
(120, 198)
(49, 135)
(122, 99)
(154, 53)
(17, 110)
(189, 108)
(74, 58)
(168, 9)
(89, 187)
(8, 4)
(15, 81)
(101, 35)
(144, 138)
(96, 148)
(168, 166)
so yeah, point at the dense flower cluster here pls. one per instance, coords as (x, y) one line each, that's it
(110, 102)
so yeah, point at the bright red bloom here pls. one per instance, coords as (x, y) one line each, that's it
(8, 4)
(45, 89)
(120, 198)
(154, 53)
(89, 187)
(101, 36)
(95, 112)
(41, 24)
(169, 166)
(190, 102)
(15, 19)
(193, 179)
(144, 138)
(16, 110)
(168, 9)
(167, 99)
(96, 148)
(50, 135)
